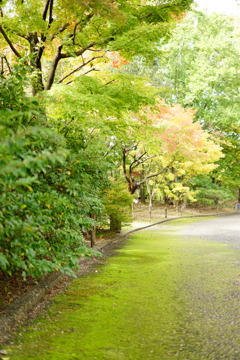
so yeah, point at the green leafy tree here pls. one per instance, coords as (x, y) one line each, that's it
(199, 67)
(53, 32)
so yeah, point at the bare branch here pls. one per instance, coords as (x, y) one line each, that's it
(2, 66)
(136, 162)
(77, 53)
(139, 162)
(9, 42)
(79, 68)
(68, 123)
(110, 82)
(156, 174)
(109, 150)
(60, 30)
(131, 147)
(4, 58)
(93, 69)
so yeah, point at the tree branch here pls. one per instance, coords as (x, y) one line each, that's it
(4, 58)
(9, 42)
(124, 157)
(93, 69)
(110, 82)
(75, 31)
(77, 53)
(109, 150)
(79, 68)
(61, 29)
(135, 162)
(50, 18)
(143, 161)
(45, 10)
(57, 58)
(156, 174)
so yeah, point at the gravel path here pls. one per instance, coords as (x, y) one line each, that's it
(222, 229)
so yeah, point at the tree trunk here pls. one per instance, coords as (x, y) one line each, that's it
(35, 62)
(166, 212)
(142, 194)
(184, 205)
(150, 207)
(176, 204)
(93, 232)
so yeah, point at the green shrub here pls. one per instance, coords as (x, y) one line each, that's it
(43, 208)
(118, 201)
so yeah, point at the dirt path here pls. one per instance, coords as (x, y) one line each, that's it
(171, 292)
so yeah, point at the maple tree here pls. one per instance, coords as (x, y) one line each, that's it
(53, 32)
(174, 149)
(199, 67)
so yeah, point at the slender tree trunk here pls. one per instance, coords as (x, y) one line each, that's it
(176, 203)
(184, 205)
(35, 62)
(51, 76)
(142, 194)
(150, 207)
(166, 212)
(133, 214)
(93, 232)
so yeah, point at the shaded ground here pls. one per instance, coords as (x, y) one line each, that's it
(170, 293)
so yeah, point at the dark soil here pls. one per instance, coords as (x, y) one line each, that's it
(13, 287)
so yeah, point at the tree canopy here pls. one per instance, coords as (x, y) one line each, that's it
(53, 32)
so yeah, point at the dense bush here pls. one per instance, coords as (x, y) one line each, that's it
(46, 192)
(210, 194)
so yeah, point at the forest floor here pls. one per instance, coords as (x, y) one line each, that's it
(14, 287)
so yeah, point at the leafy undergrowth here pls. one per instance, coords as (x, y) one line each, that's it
(159, 297)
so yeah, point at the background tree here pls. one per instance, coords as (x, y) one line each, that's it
(172, 151)
(199, 67)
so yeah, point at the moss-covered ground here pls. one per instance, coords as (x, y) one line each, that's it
(160, 296)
